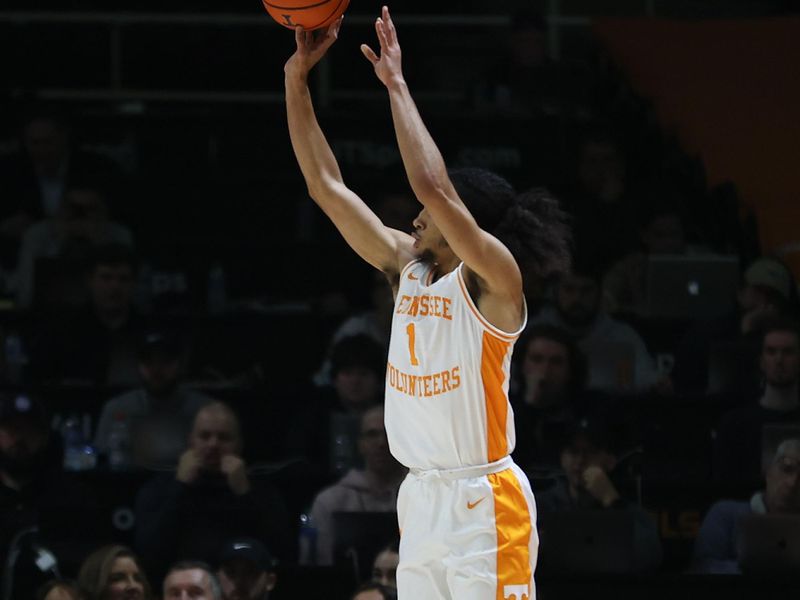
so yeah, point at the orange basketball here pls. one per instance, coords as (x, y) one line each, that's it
(311, 14)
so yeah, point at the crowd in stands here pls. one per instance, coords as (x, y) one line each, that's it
(156, 446)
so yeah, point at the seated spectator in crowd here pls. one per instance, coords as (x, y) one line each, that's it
(618, 358)
(246, 570)
(595, 477)
(525, 81)
(661, 230)
(715, 548)
(60, 589)
(768, 290)
(371, 489)
(191, 579)
(737, 449)
(325, 429)
(374, 591)
(159, 414)
(601, 196)
(34, 179)
(114, 572)
(95, 344)
(211, 497)
(384, 567)
(32, 480)
(81, 223)
(375, 322)
(547, 392)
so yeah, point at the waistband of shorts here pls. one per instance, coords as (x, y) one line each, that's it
(464, 472)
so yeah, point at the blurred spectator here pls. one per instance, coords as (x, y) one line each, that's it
(737, 451)
(32, 481)
(114, 573)
(596, 476)
(159, 414)
(246, 570)
(210, 497)
(371, 489)
(191, 579)
(375, 322)
(525, 81)
(618, 359)
(384, 567)
(95, 344)
(768, 289)
(60, 589)
(34, 180)
(600, 199)
(374, 591)
(715, 548)
(547, 393)
(81, 223)
(662, 230)
(325, 427)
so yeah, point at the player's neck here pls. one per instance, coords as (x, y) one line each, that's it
(442, 265)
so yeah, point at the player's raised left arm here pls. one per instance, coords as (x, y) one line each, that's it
(482, 253)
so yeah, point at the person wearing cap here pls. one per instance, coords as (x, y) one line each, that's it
(768, 290)
(32, 481)
(595, 476)
(324, 429)
(246, 570)
(159, 413)
(737, 447)
(715, 548)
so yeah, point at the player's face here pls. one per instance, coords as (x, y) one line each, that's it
(428, 240)
(125, 580)
(780, 359)
(783, 485)
(214, 435)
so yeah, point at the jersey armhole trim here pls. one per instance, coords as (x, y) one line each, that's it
(499, 333)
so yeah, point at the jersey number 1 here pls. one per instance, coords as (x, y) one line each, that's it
(411, 337)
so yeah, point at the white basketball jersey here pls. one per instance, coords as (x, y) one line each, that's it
(447, 376)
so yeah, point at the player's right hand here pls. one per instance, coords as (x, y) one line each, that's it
(311, 47)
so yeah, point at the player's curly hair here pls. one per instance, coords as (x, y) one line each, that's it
(532, 224)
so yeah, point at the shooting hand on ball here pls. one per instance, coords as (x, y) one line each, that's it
(311, 47)
(388, 65)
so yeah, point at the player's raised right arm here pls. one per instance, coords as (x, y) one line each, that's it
(362, 230)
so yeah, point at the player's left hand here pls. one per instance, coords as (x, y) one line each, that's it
(234, 470)
(388, 66)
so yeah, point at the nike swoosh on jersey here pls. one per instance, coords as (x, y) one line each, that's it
(471, 505)
(413, 277)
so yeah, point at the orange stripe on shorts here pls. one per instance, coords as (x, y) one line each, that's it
(513, 523)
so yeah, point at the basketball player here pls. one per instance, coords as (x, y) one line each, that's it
(466, 512)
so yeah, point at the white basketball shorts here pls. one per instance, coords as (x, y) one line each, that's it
(467, 534)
